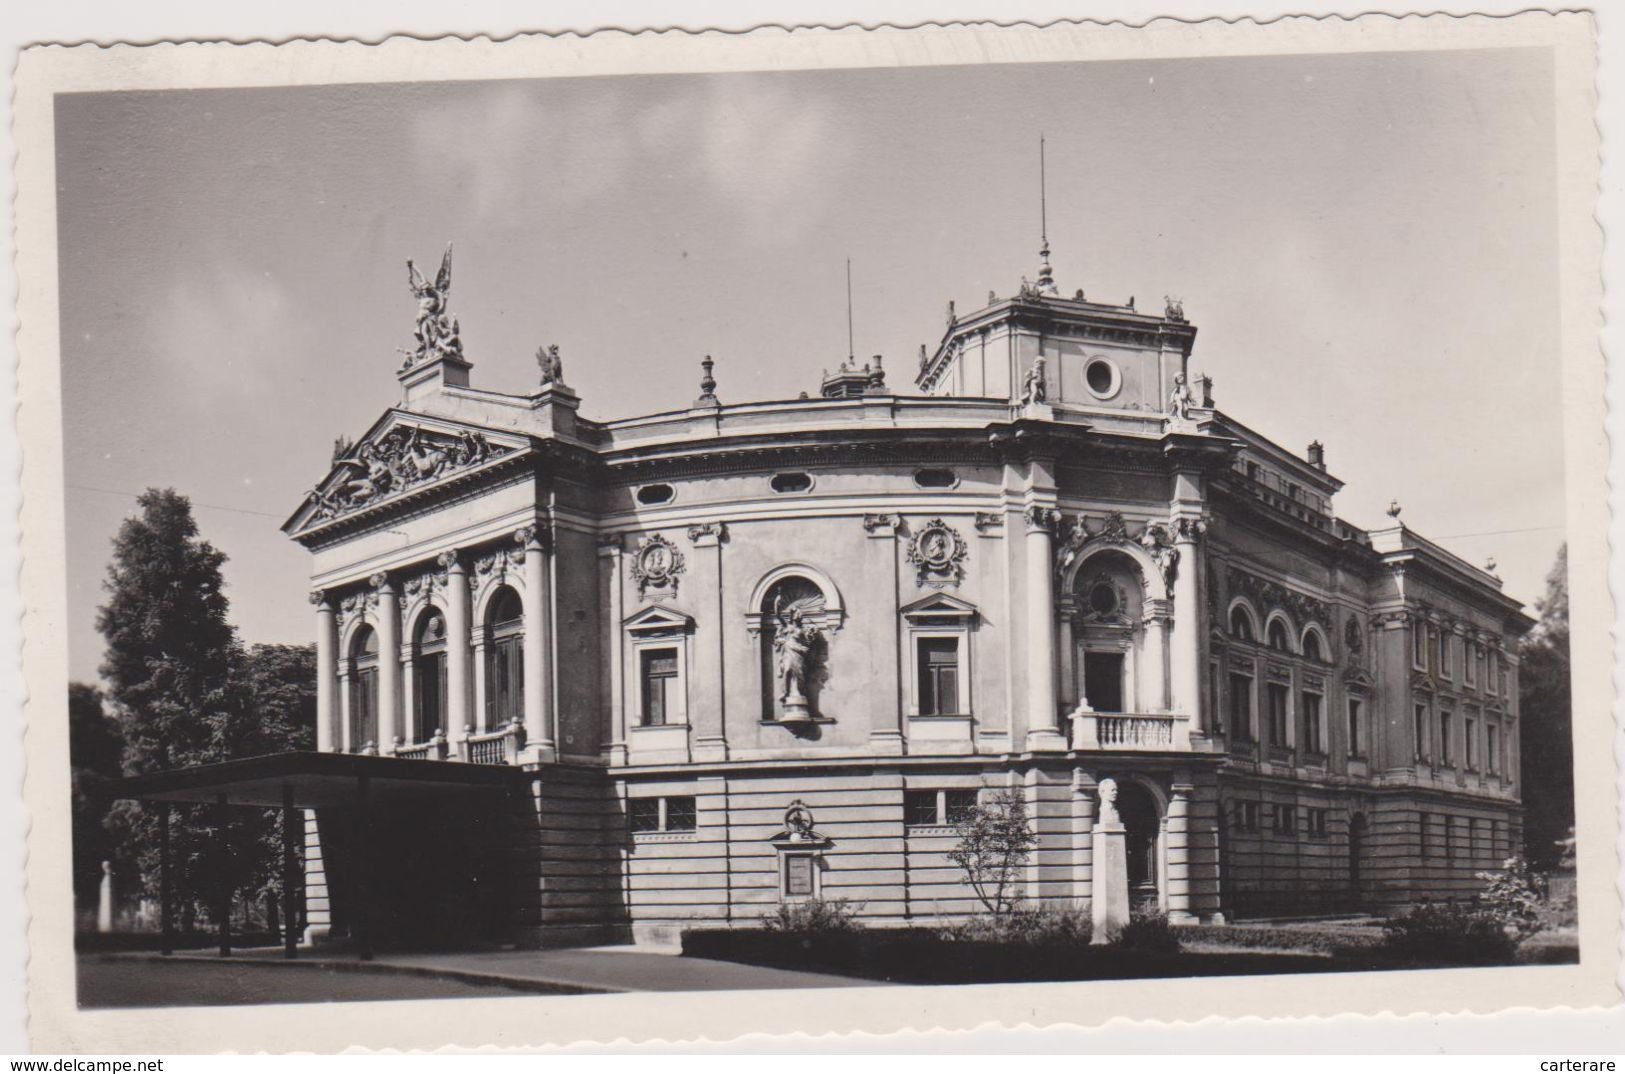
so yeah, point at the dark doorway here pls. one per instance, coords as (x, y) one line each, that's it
(1103, 681)
(1143, 822)
(1357, 837)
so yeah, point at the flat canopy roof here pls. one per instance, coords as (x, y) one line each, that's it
(316, 780)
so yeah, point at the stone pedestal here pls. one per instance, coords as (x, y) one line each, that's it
(1108, 896)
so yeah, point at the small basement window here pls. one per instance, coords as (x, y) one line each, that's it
(791, 481)
(653, 494)
(935, 479)
(671, 814)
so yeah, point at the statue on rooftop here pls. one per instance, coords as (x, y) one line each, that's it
(1180, 400)
(1035, 386)
(437, 333)
(551, 365)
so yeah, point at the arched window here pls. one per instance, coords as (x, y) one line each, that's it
(1277, 637)
(429, 667)
(1311, 646)
(364, 689)
(1241, 624)
(784, 600)
(504, 660)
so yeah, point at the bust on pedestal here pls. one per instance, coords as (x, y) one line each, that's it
(1108, 896)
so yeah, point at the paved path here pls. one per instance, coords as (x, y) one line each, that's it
(262, 976)
(131, 982)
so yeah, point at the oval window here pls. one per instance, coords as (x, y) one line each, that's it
(653, 494)
(1102, 378)
(1103, 599)
(792, 481)
(935, 479)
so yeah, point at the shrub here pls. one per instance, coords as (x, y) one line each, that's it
(1512, 899)
(1447, 935)
(814, 917)
(1148, 932)
(994, 844)
(1045, 926)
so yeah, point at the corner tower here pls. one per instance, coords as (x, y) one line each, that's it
(1095, 355)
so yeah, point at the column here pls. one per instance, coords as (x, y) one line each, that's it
(346, 720)
(539, 731)
(1156, 655)
(711, 719)
(391, 720)
(1178, 833)
(1185, 663)
(893, 662)
(327, 671)
(482, 684)
(614, 641)
(458, 649)
(1043, 730)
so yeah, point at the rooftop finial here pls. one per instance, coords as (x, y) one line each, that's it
(1393, 510)
(708, 383)
(1046, 275)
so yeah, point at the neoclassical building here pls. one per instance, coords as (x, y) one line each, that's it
(736, 653)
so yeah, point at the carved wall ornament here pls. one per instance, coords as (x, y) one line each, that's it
(450, 560)
(436, 334)
(318, 597)
(1158, 542)
(400, 459)
(378, 581)
(656, 565)
(539, 536)
(1035, 385)
(1353, 639)
(359, 602)
(1267, 595)
(424, 584)
(938, 554)
(708, 533)
(1188, 530)
(1041, 518)
(494, 564)
(873, 524)
(989, 520)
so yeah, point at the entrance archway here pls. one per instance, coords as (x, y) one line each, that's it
(1143, 823)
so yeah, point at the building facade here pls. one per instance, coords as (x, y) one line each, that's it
(748, 653)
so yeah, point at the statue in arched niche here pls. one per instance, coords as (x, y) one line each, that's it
(795, 651)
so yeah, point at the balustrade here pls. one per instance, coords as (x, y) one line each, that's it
(501, 746)
(1130, 731)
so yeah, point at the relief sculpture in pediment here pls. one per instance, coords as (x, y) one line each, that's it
(401, 458)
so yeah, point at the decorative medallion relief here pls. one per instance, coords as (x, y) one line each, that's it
(400, 459)
(656, 565)
(938, 554)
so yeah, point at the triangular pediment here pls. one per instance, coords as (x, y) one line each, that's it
(939, 605)
(658, 618)
(401, 453)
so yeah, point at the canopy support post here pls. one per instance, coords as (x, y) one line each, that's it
(290, 877)
(223, 890)
(363, 872)
(166, 909)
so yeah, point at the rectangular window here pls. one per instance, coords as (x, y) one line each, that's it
(1214, 712)
(1246, 816)
(671, 814)
(659, 681)
(1419, 646)
(644, 814)
(1446, 750)
(1469, 741)
(1286, 820)
(505, 697)
(1424, 832)
(1277, 699)
(939, 676)
(1356, 739)
(1420, 728)
(1311, 723)
(924, 808)
(1317, 821)
(1444, 656)
(1492, 680)
(1469, 662)
(1433, 645)
(1241, 707)
(1492, 748)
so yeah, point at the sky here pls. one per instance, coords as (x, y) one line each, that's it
(1366, 243)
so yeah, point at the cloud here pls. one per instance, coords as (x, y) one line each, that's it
(223, 335)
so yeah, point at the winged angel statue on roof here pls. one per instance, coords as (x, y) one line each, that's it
(436, 334)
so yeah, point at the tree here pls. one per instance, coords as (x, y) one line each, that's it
(94, 751)
(1546, 723)
(281, 682)
(994, 844)
(174, 672)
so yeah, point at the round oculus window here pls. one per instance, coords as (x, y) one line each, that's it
(1102, 378)
(1103, 599)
